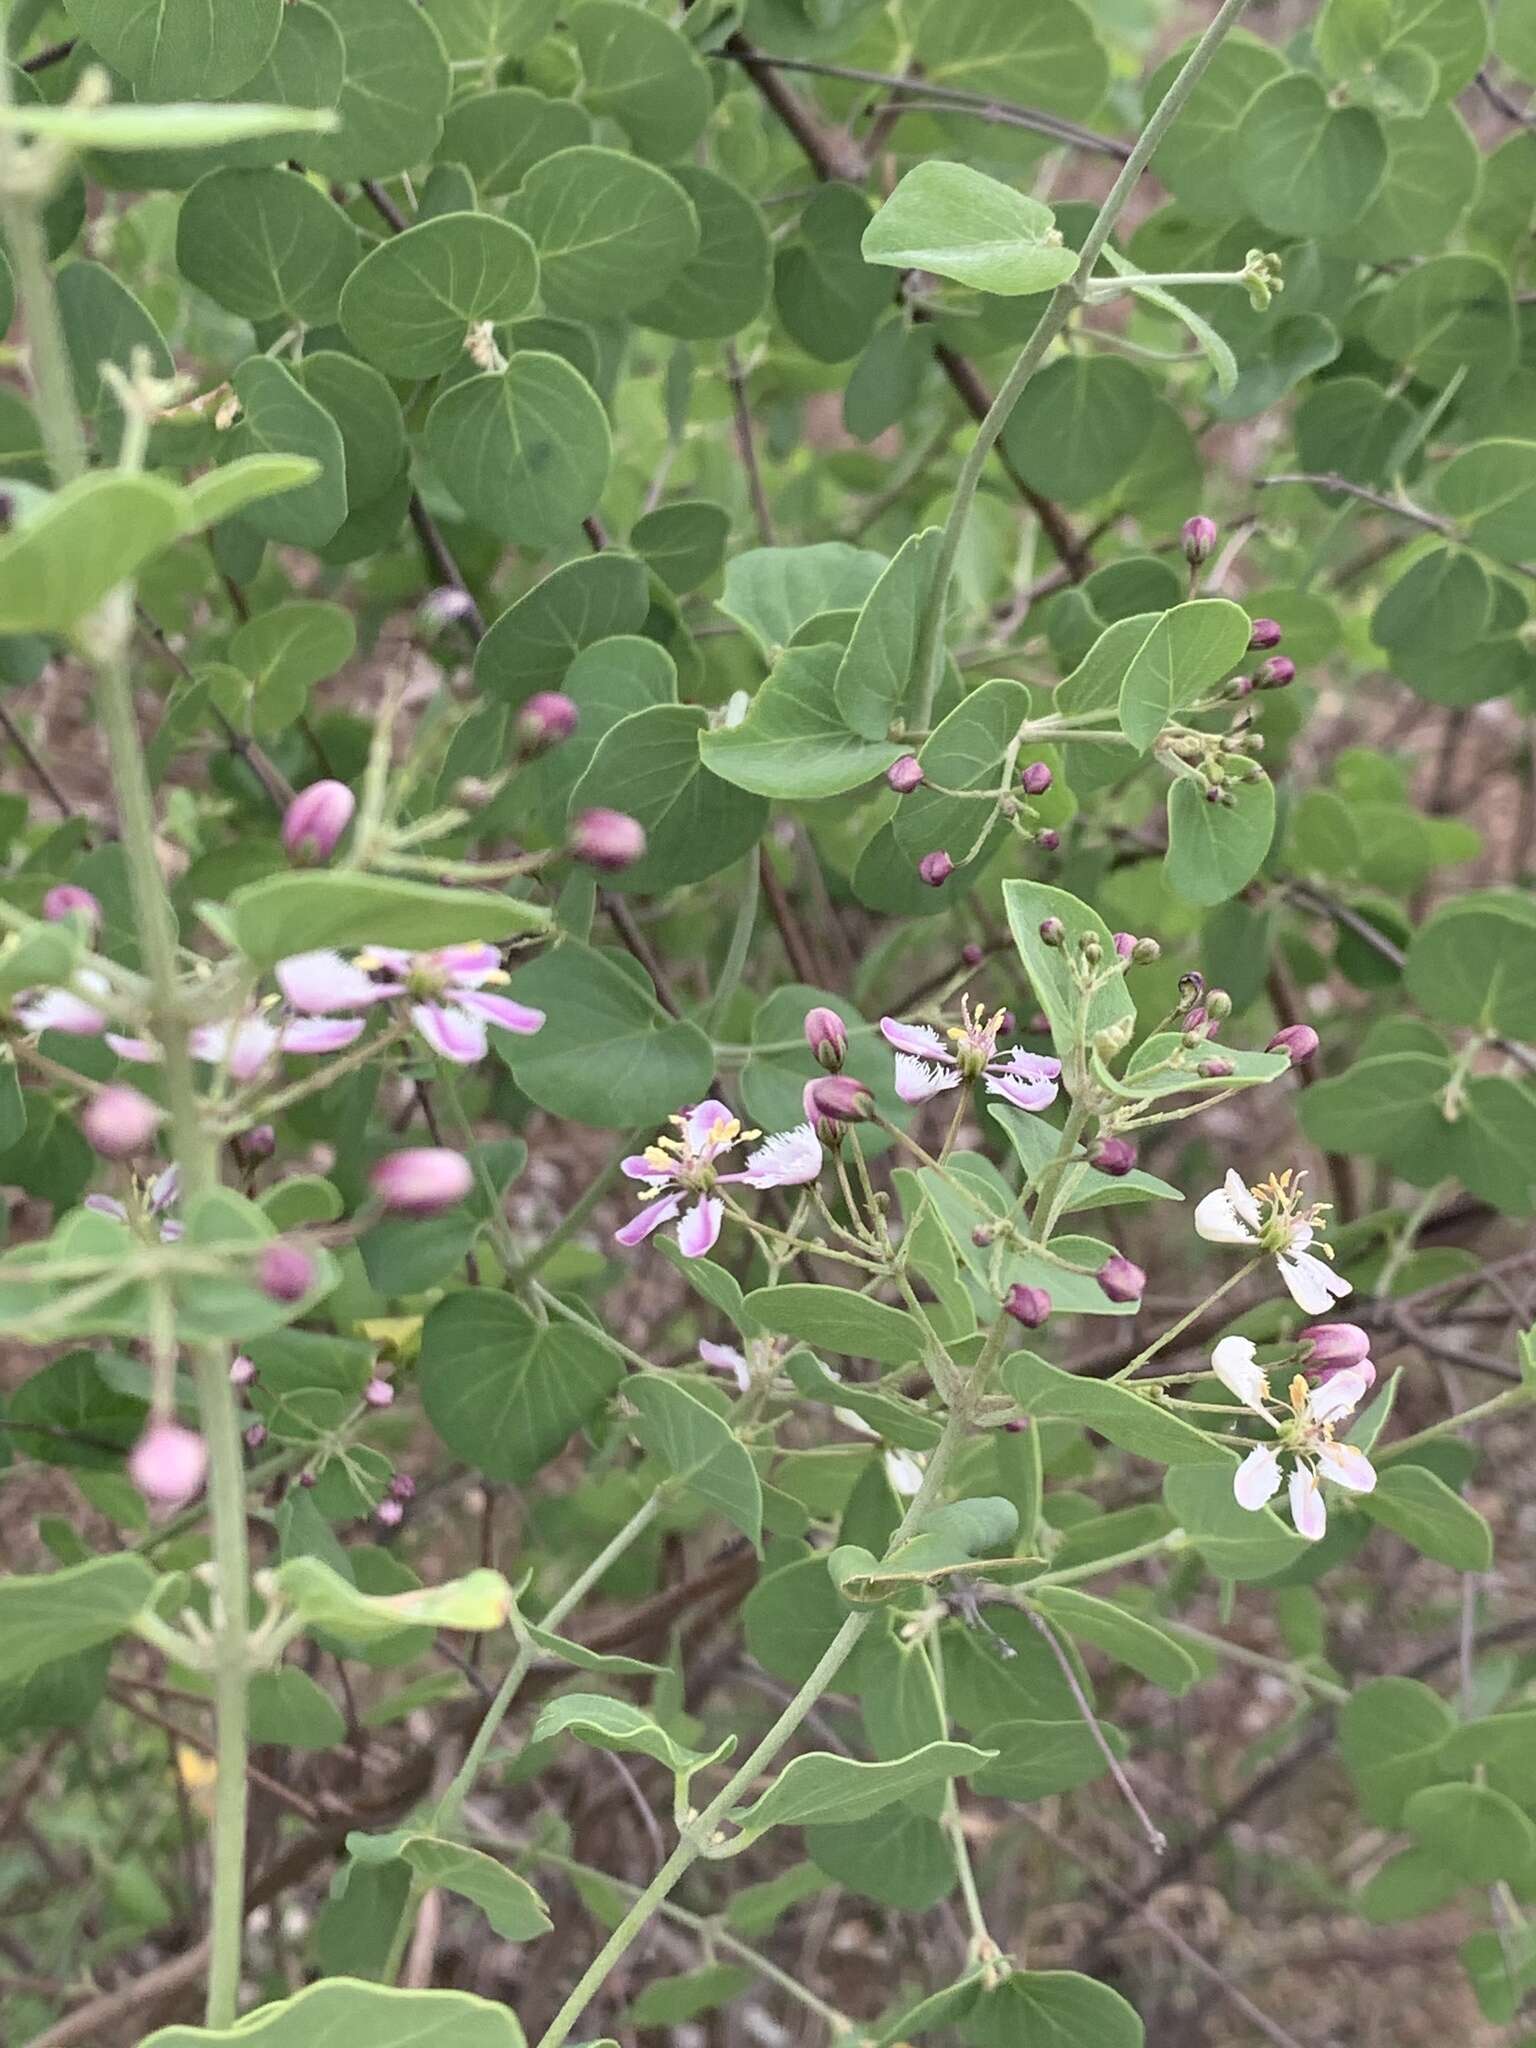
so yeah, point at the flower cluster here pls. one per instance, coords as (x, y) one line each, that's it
(678, 1168)
(1303, 1433)
(926, 1066)
(1274, 1217)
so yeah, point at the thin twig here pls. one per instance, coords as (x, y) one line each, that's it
(746, 444)
(1156, 1840)
(37, 764)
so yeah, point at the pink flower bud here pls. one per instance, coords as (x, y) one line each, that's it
(167, 1463)
(259, 1142)
(389, 1514)
(118, 1121)
(609, 840)
(840, 1099)
(1048, 841)
(1330, 1347)
(378, 1393)
(827, 1036)
(242, 1370)
(1028, 1305)
(314, 822)
(905, 775)
(255, 1436)
(1115, 1156)
(1193, 1019)
(1275, 674)
(1297, 1041)
(1125, 944)
(935, 868)
(1036, 779)
(402, 1487)
(972, 954)
(285, 1271)
(1121, 1280)
(445, 606)
(1264, 634)
(1214, 1070)
(1198, 537)
(1052, 931)
(548, 717)
(68, 899)
(423, 1182)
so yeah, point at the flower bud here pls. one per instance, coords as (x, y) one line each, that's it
(1121, 1280)
(259, 1142)
(1091, 949)
(1297, 1041)
(1198, 537)
(1036, 779)
(379, 1393)
(610, 840)
(285, 1271)
(314, 822)
(68, 899)
(1027, 1305)
(1218, 1004)
(1215, 1070)
(827, 1036)
(1275, 673)
(1193, 1020)
(1114, 1156)
(445, 606)
(242, 1370)
(389, 1514)
(167, 1463)
(971, 954)
(1263, 634)
(1052, 931)
(906, 775)
(839, 1098)
(982, 1235)
(1329, 1347)
(1145, 952)
(1191, 987)
(548, 717)
(423, 1182)
(118, 1121)
(402, 1487)
(255, 1436)
(1048, 841)
(935, 868)
(1125, 944)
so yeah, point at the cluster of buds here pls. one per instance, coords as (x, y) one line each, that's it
(1036, 778)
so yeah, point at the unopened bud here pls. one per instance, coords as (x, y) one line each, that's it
(1125, 944)
(389, 1514)
(610, 840)
(935, 868)
(315, 821)
(1198, 537)
(1297, 1041)
(548, 717)
(1264, 634)
(905, 775)
(1036, 779)
(827, 1036)
(1028, 1305)
(285, 1272)
(242, 1370)
(1053, 931)
(1275, 674)
(1121, 1280)
(422, 1182)
(402, 1487)
(1145, 952)
(1048, 841)
(1332, 1346)
(1218, 1003)
(378, 1393)
(68, 899)
(255, 1436)
(259, 1142)
(167, 1463)
(972, 954)
(1114, 1156)
(839, 1098)
(1091, 949)
(1215, 1070)
(982, 1236)
(118, 1121)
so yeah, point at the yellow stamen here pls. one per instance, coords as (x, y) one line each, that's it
(1299, 1392)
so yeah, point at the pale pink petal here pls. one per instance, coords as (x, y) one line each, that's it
(163, 1189)
(1341, 1393)
(702, 1122)
(57, 1009)
(1313, 1284)
(243, 1045)
(1257, 1480)
(469, 964)
(321, 1034)
(143, 1052)
(451, 1032)
(787, 1159)
(1308, 1511)
(322, 981)
(917, 1081)
(638, 1167)
(699, 1228)
(726, 1358)
(106, 1205)
(1347, 1466)
(501, 1011)
(1232, 1361)
(1025, 1090)
(921, 1040)
(650, 1218)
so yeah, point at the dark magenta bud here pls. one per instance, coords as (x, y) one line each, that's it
(1053, 931)
(840, 1099)
(285, 1272)
(1028, 1305)
(605, 839)
(827, 1036)
(1275, 673)
(1036, 779)
(402, 1486)
(905, 775)
(1121, 1280)
(1114, 1156)
(1198, 537)
(255, 1436)
(1264, 634)
(972, 954)
(1214, 1070)
(1049, 841)
(1332, 1346)
(548, 717)
(68, 899)
(314, 822)
(1297, 1041)
(259, 1142)
(1125, 944)
(935, 868)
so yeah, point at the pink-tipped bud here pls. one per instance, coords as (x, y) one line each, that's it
(1215, 1070)
(389, 1514)
(1264, 634)
(1036, 779)
(423, 1182)
(972, 954)
(935, 868)
(259, 1142)
(1121, 1280)
(1027, 1305)
(168, 1463)
(118, 1121)
(1329, 1347)
(610, 840)
(68, 899)
(1297, 1041)
(402, 1487)
(242, 1370)
(840, 1099)
(905, 775)
(827, 1036)
(1048, 841)
(445, 606)
(314, 822)
(255, 1436)
(1275, 674)
(1114, 1156)
(1195, 1018)
(1198, 537)
(1125, 944)
(379, 1393)
(1052, 931)
(285, 1272)
(548, 717)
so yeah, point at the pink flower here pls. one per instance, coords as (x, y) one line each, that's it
(675, 1168)
(285, 1271)
(448, 992)
(72, 1011)
(167, 1463)
(423, 1181)
(926, 1066)
(118, 1121)
(245, 1046)
(151, 1200)
(68, 899)
(610, 840)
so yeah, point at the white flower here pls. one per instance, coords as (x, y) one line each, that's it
(1303, 1430)
(1273, 1218)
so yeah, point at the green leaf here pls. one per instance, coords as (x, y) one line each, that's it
(1389, 1107)
(1491, 489)
(146, 129)
(1080, 425)
(1441, 604)
(526, 450)
(683, 543)
(1447, 317)
(180, 49)
(1132, 1421)
(723, 286)
(533, 643)
(793, 742)
(1434, 172)
(267, 244)
(1038, 1758)
(1110, 1009)
(1185, 655)
(1473, 1830)
(1302, 166)
(828, 297)
(1352, 40)
(609, 1056)
(699, 1448)
(504, 1392)
(835, 1790)
(499, 136)
(1046, 54)
(1474, 963)
(304, 912)
(1119, 1634)
(648, 765)
(619, 1724)
(773, 592)
(669, 2001)
(898, 1858)
(837, 1319)
(323, 1599)
(1235, 1542)
(1053, 2009)
(1215, 850)
(1194, 158)
(97, 532)
(287, 649)
(104, 323)
(1390, 1735)
(1418, 1506)
(640, 72)
(876, 669)
(278, 417)
(961, 224)
(220, 493)
(511, 1905)
(409, 303)
(61, 1613)
(344, 2009)
(394, 94)
(581, 1657)
(287, 1706)
(611, 230)
(607, 683)
(964, 752)
(1217, 352)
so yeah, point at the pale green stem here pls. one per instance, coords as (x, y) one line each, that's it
(1056, 1182)
(555, 1306)
(734, 964)
(1177, 1329)
(1512, 1397)
(1403, 1243)
(1236, 1653)
(1158, 1546)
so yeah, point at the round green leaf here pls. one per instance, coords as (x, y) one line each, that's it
(500, 136)
(293, 646)
(1045, 54)
(1474, 964)
(1448, 316)
(394, 94)
(180, 49)
(684, 543)
(267, 244)
(1440, 605)
(278, 417)
(644, 74)
(1303, 166)
(534, 642)
(1194, 159)
(367, 415)
(97, 532)
(302, 913)
(1080, 425)
(525, 450)
(959, 223)
(345, 2009)
(724, 284)
(1355, 41)
(1471, 1829)
(610, 230)
(827, 295)
(1053, 2009)
(1490, 488)
(1432, 178)
(695, 824)
(1351, 427)
(793, 741)
(410, 302)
